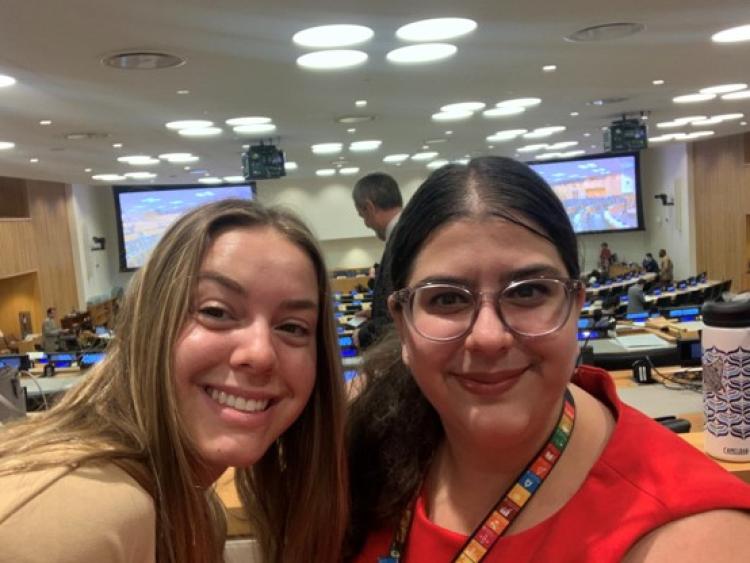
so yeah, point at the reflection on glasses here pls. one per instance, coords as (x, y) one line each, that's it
(530, 307)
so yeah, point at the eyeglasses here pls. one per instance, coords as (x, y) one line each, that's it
(529, 308)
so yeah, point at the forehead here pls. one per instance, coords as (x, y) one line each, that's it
(470, 247)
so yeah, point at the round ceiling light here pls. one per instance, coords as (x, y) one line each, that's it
(723, 89)
(6, 80)
(189, 124)
(255, 120)
(732, 35)
(332, 60)
(605, 32)
(329, 36)
(255, 128)
(142, 60)
(436, 29)
(425, 53)
(290, 165)
(200, 131)
(6, 145)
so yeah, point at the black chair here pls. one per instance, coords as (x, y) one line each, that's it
(664, 301)
(680, 299)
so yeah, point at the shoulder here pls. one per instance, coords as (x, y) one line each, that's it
(88, 513)
(718, 535)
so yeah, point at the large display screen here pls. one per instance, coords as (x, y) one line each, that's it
(144, 214)
(601, 193)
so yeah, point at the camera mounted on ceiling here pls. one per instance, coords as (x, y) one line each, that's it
(263, 161)
(627, 134)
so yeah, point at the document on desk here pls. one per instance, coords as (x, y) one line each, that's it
(641, 341)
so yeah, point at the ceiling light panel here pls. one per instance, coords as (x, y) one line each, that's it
(425, 53)
(506, 135)
(436, 29)
(189, 124)
(452, 115)
(519, 102)
(6, 81)
(200, 132)
(395, 158)
(235, 179)
(436, 163)
(349, 171)
(210, 180)
(504, 111)
(326, 148)
(744, 95)
(254, 120)
(140, 175)
(179, 157)
(723, 88)
(732, 35)
(423, 156)
(6, 145)
(463, 106)
(254, 128)
(290, 165)
(332, 60)
(108, 177)
(364, 146)
(693, 98)
(325, 172)
(330, 36)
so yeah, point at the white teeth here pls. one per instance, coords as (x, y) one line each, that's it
(238, 403)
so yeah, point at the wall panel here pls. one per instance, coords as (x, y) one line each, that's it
(19, 293)
(17, 249)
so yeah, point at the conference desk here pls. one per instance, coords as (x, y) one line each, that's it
(594, 291)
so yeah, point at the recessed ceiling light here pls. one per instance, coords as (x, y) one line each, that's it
(549, 68)
(732, 35)
(254, 129)
(140, 175)
(562, 145)
(116, 145)
(210, 180)
(506, 135)
(519, 102)
(333, 59)
(422, 156)
(351, 130)
(326, 148)
(45, 122)
(290, 165)
(6, 80)
(394, 158)
(235, 179)
(657, 82)
(587, 134)
(503, 111)
(361, 103)
(34, 160)
(449, 132)
(189, 124)
(142, 60)
(743, 123)
(434, 141)
(744, 95)
(329, 36)
(425, 147)
(179, 157)
(325, 172)
(574, 114)
(605, 32)
(436, 29)
(186, 167)
(108, 177)
(723, 89)
(437, 163)
(542, 132)
(85, 135)
(348, 119)
(6, 145)
(692, 98)
(200, 131)
(138, 160)
(183, 92)
(533, 148)
(425, 53)
(728, 116)
(254, 120)
(451, 115)
(349, 170)
(463, 106)
(606, 101)
(87, 169)
(705, 122)
(363, 146)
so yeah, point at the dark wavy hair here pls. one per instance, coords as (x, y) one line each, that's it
(392, 429)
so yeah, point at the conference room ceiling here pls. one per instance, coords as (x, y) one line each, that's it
(240, 61)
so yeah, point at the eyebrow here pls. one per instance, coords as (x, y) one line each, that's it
(235, 287)
(527, 272)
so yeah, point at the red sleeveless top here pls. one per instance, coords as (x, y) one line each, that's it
(646, 477)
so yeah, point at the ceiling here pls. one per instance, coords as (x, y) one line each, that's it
(240, 61)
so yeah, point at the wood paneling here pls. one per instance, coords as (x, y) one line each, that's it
(19, 293)
(13, 199)
(17, 249)
(721, 182)
(54, 249)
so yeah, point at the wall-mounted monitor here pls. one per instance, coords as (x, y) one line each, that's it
(601, 193)
(145, 213)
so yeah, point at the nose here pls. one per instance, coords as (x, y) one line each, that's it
(489, 334)
(253, 350)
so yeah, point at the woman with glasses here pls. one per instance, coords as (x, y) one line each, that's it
(476, 437)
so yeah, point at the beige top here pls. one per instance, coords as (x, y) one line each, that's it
(93, 513)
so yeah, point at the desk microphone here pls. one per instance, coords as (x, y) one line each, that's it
(585, 350)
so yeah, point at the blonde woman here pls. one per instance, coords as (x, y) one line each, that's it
(225, 355)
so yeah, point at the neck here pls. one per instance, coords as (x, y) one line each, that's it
(468, 476)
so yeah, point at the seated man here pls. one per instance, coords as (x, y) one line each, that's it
(636, 297)
(650, 264)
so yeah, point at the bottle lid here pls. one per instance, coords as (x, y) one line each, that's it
(733, 314)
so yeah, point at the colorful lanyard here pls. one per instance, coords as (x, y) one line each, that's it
(498, 520)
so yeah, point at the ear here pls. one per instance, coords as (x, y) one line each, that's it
(397, 314)
(580, 298)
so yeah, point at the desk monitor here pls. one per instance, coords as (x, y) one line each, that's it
(338, 314)
(596, 284)
(682, 313)
(656, 292)
(682, 285)
(90, 358)
(345, 341)
(623, 298)
(670, 287)
(16, 361)
(340, 329)
(350, 374)
(637, 317)
(348, 352)
(586, 322)
(691, 352)
(592, 334)
(61, 359)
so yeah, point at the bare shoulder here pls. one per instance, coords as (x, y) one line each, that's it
(718, 535)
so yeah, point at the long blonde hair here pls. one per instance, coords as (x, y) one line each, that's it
(124, 412)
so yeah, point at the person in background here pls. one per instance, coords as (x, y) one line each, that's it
(51, 331)
(650, 264)
(600, 321)
(378, 201)
(372, 275)
(636, 297)
(476, 437)
(666, 268)
(605, 258)
(225, 355)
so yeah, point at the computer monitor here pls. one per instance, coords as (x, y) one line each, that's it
(691, 352)
(91, 358)
(592, 334)
(682, 285)
(670, 287)
(348, 352)
(585, 322)
(345, 341)
(637, 317)
(682, 313)
(61, 359)
(16, 361)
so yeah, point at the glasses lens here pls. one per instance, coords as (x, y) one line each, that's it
(442, 312)
(535, 307)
